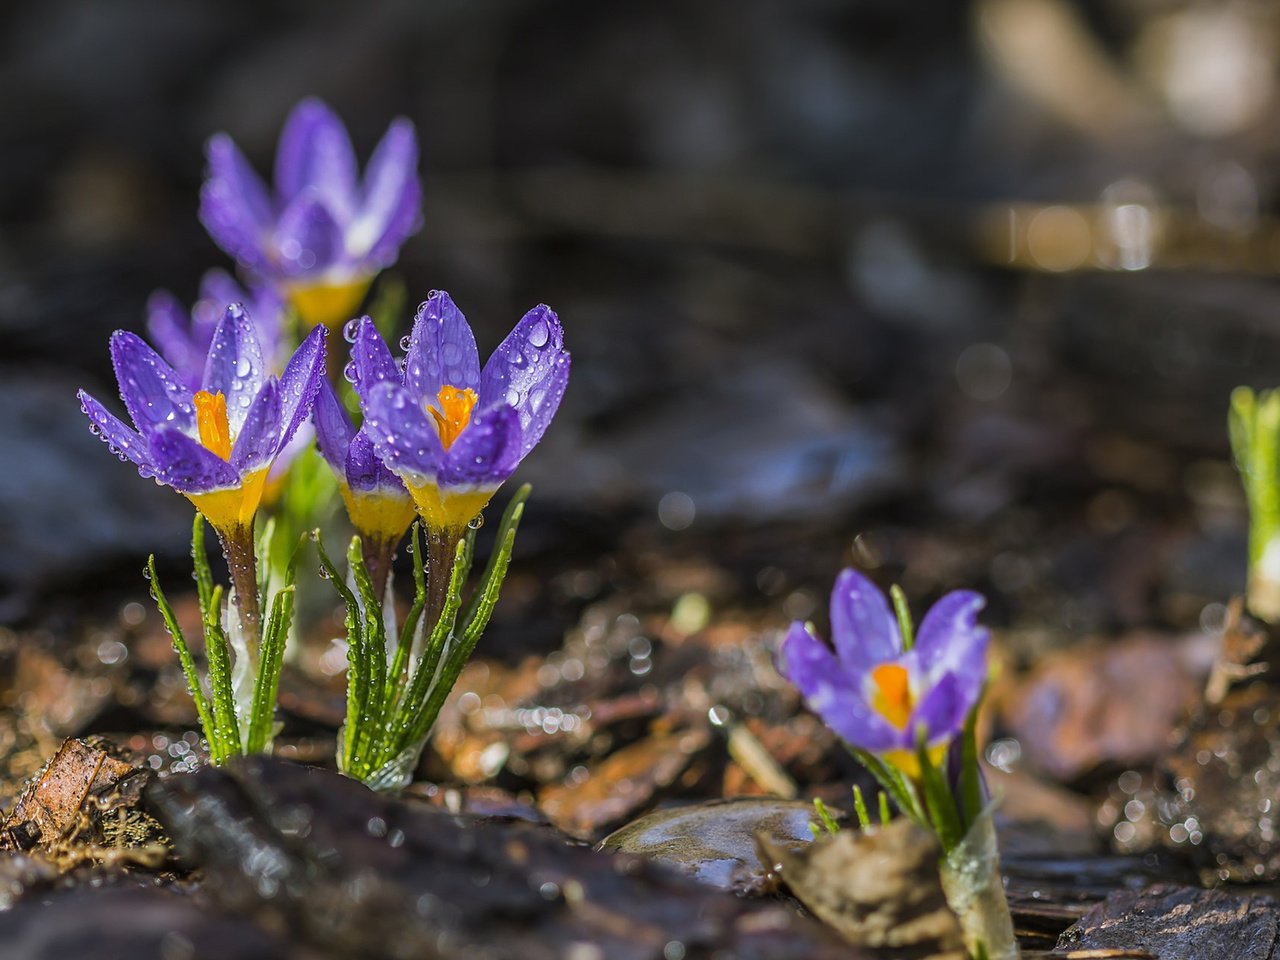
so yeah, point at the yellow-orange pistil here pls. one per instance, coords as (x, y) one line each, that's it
(211, 418)
(454, 413)
(892, 697)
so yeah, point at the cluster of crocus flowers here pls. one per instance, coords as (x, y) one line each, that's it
(323, 232)
(216, 444)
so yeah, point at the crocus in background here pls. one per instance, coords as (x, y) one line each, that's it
(183, 336)
(322, 234)
(214, 445)
(877, 691)
(377, 502)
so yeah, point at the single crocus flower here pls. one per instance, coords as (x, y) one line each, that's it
(378, 504)
(451, 431)
(183, 337)
(214, 445)
(324, 232)
(878, 696)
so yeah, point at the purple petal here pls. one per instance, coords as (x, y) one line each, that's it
(235, 367)
(949, 636)
(117, 434)
(943, 710)
(315, 152)
(863, 629)
(402, 433)
(300, 381)
(365, 469)
(372, 357)
(307, 238)
(529, 371)
(218, 290)
(486, 452)
(259, 437)
(442, 349)
(334, 429)
(169, 325)
(234, 206)
(833, 692)
(187, 466)
(391, 204)
(152, 391)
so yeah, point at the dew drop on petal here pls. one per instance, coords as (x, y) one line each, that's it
(405, 341)
(351, 330)
(349, 371)
(539, 334)
(243, 367)
(476, 522)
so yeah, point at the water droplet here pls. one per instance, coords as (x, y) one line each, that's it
(351, 330)
(476, 522)
(243, 367)
(513, 397)
(405, 341)
(539, 334)
(324, 573)
(146, 572)
(349, 371)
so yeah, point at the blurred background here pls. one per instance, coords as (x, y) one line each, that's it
(955, 291)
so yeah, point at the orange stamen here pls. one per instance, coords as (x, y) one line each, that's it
(454, 413)
(211, 418)
(892, 698)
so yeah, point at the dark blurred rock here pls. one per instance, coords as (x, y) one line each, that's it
(134, 923)
(66, 505)
(354, 873)
(1178, 923)
(1117, 704)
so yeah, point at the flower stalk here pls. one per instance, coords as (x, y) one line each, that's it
(1253, 423)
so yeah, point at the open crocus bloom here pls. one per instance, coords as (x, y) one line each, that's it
(451, 431)
(183, 337)
(214, 445)
(325, 232)
(377, 502)
(875, 695)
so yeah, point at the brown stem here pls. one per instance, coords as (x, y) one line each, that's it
(378, 554)
(237, 546)
(440, 547)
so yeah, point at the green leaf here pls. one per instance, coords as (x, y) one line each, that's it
(374, 651)
(200, 559)
(276, 634)
(970, 775)
(859, 807)
(216, 748)
(939, 803)
(397, 674)
(894, 784)
(825, 818)
(903, 613)
(357, 678)
(885, 816)
(219, 660)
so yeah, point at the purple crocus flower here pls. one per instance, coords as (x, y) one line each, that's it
(324, 232)
(451, 431)
(183, 337)
(377, 502)
(874, 694)
(214, 445)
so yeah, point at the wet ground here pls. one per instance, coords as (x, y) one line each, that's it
(796, 347)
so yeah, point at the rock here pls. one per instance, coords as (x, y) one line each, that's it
(1118, 704)
(877, 889)
(1178, 923)
(715, 842)
(354, 873)
(134, 923)
(625, 782)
